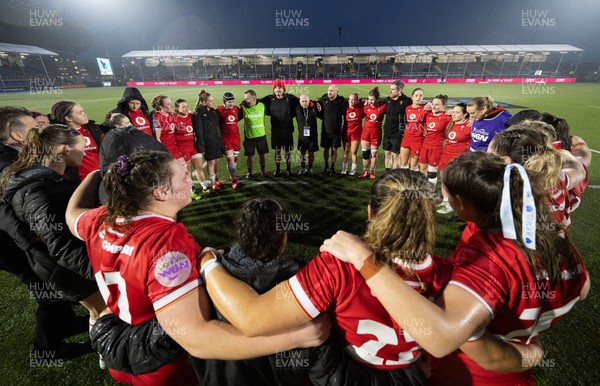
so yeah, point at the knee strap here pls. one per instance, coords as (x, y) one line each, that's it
(366, 154)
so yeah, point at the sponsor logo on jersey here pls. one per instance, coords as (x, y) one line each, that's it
(189, 129)
(373, 117)
(352, 115)
(88, 141)
(172, 269)
(431, 125)
(480, 136)
(452, 135)
(412, 116)
(231, 118)
(141, 121)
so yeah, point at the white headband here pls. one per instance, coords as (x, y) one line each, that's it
(528, 212)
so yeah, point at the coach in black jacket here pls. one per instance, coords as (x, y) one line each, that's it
(281, 107)
(332, 105)
(395, 123)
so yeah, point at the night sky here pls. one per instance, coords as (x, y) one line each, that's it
(122, 26)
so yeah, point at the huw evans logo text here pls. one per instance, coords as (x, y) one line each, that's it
(290, 19)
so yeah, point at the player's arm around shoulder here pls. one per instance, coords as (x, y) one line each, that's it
(188, 322)
(254, 314)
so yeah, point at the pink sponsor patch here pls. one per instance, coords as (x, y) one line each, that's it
(172, 269)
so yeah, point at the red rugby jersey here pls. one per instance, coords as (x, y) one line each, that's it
(374, 117)
(184, 132)
(459, 138)
(142, 270)
(91, 160)
(415, 120)
(166, 124)
(139, 120)
(373, 337)
(495, 271)
(354, 118)
(435, 126)
(228, 120)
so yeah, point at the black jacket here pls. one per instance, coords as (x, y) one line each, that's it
(262, 276)
(130, 93)
(312, 113)
(39, 198)
(12, 257)
(7, 156)
(133, 349)
(281, 111)
(395, 118)
(333, 114)
(209, 139)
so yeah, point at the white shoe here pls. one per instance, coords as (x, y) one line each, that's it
(101, 363)
(352, 172)
(344, 171)
(445, 208)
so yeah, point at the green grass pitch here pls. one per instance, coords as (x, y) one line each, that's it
(323, 205)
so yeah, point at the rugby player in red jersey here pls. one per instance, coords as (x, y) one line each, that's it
(72, 114)
(415, 127)
(145, 264)
(353, 130)
(371, 135)
(229, 116)
(164, 124)
(435, 131)
(514, 284)
(458, 139)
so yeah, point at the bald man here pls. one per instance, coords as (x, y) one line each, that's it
(332, 110)
(306, 116)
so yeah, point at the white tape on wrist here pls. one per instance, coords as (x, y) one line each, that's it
(209, 265)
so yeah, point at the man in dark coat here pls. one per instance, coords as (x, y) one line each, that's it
(281, 107)
(394, 125)
(332, 106)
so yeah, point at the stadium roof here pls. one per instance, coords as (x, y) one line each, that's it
(384, 50)
(23, 49)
